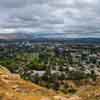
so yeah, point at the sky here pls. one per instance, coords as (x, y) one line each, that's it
(71, 18)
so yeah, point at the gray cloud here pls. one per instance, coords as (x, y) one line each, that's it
(78, 17)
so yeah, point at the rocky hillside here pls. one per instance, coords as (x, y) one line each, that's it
(12, 87)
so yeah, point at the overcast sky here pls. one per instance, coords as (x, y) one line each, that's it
(74, 18)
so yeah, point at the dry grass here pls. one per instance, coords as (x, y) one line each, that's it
(12, 87)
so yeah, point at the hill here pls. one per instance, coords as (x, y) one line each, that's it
(12, 87)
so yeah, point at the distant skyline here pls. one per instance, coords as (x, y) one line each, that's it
(70, 18)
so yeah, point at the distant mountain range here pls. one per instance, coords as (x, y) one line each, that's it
(46, 38)
(14, 36)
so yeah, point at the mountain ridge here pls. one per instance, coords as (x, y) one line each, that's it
(47, 38)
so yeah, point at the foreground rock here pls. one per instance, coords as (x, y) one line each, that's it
(12, 87)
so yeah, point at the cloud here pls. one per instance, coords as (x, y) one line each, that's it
(78, 17)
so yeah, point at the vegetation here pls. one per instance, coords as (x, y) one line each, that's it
(51, 65)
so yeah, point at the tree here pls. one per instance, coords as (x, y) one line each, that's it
(93, 75)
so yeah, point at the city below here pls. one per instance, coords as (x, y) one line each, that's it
(62, 66)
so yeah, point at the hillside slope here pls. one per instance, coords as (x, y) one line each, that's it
(12, 87)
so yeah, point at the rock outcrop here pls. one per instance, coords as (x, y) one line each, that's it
(12, 87)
